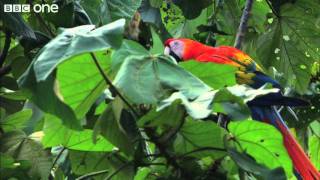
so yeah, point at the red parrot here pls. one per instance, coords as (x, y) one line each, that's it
(250, 73)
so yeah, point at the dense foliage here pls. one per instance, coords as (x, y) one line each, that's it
(86, 93)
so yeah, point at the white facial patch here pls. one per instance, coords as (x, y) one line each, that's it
(166, 51)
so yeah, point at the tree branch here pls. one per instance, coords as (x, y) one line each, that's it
(6, 48)
(203, 149)
(118, 170)
(243, 24)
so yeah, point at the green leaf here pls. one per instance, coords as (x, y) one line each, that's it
(83, 162)
(157, 45)
(168, 116)
(46, 96)
(10, 168)
(192, 9)
(142, 173)
(110, 129)
(16, 121)
(314, 149)
(232, 100)
(178, 25)
(80, 82)
(127, 48)
(291, 43)
(263, 142)
(56, 134)
(64, 17)
(21, 147)
(75, 41)
(199, 139)
(248, 164)
(117, 9)
(154, 77)
(215, 75)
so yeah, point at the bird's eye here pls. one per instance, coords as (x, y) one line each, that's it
(175, 43)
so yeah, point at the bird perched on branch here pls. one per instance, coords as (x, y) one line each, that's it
(250, 73)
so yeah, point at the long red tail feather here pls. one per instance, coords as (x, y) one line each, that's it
(300, 160)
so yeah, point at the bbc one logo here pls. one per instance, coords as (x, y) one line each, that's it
(37, 8)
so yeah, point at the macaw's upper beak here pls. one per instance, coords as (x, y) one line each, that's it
(168, 52)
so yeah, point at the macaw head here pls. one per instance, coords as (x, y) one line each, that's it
(182, 49)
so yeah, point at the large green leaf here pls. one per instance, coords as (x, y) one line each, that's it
(108, 126)
(45, 95)
(263, 142)
(291, 42)
(154, 77)
(215, 75)
(80, 81)
(75, 41)
(21, 147)
(84, 163)
(248, 164)
(171, 116)
(199, 139)
(15, 121)
(106, 11)
(70, 42)
(127, 48)
(314, 149)
(56, 134)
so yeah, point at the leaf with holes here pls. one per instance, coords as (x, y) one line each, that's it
(56, 134)
(291, 42)
(263, 142)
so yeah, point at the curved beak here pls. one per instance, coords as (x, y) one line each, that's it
(167, 50)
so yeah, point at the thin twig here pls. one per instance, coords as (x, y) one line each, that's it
(203, 149)
(162, 149)
(86, 176)
(112, 87)
(58, 157)
(243, 24)
(6, 48)
(169, 135)
(117, 171)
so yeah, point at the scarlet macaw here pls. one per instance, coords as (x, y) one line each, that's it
(250, 73)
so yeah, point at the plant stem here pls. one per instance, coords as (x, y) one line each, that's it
(163, 151)
(117, 171)
(112, 87)
(86, 176)
(243, 24)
